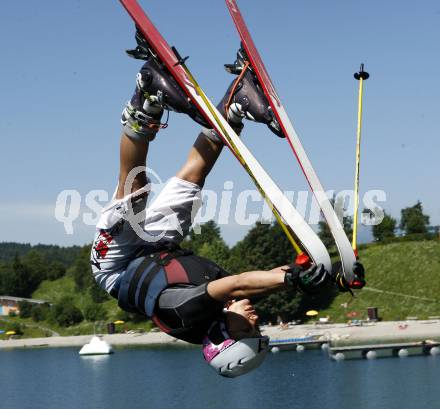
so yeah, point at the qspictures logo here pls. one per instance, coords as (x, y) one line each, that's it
(227, 206)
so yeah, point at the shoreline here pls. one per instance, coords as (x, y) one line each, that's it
(335, 334)
(383, 332)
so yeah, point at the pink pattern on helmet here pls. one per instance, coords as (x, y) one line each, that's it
(210, 350)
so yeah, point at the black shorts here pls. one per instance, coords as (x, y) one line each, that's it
(188, 309)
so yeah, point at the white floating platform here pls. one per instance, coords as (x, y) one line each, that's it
(96, 346)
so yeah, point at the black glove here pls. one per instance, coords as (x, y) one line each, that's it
(310, 281)
(341, 282)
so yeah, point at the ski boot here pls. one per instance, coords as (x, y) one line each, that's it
(156, 90)
(244, 99)
(247, 98)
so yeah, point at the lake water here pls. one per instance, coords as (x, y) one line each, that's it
(178, 378)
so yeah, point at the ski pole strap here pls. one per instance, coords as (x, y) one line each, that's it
(234, 88)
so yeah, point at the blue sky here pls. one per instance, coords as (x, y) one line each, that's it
(64, 79)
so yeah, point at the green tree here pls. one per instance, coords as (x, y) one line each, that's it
(217, 251)
(97, 294)
(385, 229)
(55, 270)
(25, 309)
(36, 264)
(413, 220)
(94, 312)
(81, 270)
(18, 280)
(65, 313)
(5, 270)
(208, 243)
(65, 255)
(264, 247)
(40, 312)
(282, 305)
(205, 233)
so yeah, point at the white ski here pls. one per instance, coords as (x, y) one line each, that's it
(345, 250)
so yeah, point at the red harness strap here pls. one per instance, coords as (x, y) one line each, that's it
(175, 274)
(160, 324)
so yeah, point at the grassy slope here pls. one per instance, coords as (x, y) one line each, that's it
(411, 268)
(53, 291)
(29, 328)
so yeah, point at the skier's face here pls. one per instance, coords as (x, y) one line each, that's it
(242, 320)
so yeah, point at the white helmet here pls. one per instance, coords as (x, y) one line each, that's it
(233, 358)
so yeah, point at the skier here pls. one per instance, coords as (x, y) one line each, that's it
(136, 255)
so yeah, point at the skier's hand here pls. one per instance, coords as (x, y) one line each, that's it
(310, 281)
(359, 272)
(344, 286)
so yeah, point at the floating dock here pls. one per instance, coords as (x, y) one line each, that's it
(299, 344)
(401, 350)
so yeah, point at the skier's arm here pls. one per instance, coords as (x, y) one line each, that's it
(247, 284)
(252, 283)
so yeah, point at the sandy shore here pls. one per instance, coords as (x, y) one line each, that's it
(337, 334)
(368, 333)
(147, 339)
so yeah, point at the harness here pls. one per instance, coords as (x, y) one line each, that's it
(148, 275)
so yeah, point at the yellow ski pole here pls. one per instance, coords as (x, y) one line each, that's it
(361, 76)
